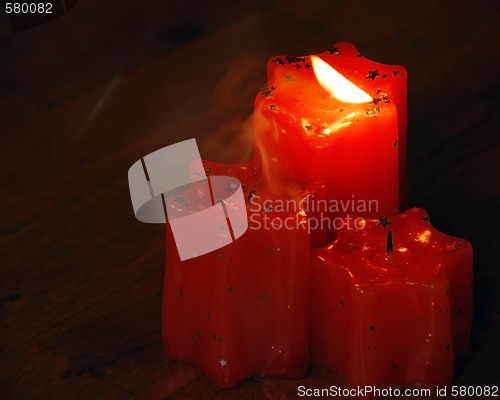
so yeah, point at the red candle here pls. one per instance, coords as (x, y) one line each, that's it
(243, 309)
(337, 122)
(391, 303)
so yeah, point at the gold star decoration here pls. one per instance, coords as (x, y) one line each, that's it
(382, 97)
(453, 246)
(290, 78)
(219, 339)
(267, 91)
(425, 218)
(334, 50)
(294, 59)
(372, 74)
(384, 222)
(269, 209)
(222, 362)
(373, 111)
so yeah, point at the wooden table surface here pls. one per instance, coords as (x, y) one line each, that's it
(86, 95)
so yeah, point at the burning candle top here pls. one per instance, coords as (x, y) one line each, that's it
(336, 119)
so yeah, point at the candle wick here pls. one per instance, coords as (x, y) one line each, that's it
(389, 242)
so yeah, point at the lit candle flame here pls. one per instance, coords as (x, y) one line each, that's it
(337, 85)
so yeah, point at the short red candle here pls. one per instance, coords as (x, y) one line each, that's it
(344, 150)
(391, 318)
(243, 309)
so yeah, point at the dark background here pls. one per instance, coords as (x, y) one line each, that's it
(84, 96)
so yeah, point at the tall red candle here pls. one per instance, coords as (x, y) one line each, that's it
(392, 302)
(337, 122)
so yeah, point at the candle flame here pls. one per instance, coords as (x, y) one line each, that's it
(337, 85)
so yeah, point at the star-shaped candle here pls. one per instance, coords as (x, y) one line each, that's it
(391, 302)
(243, 309)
